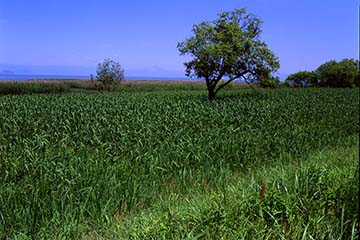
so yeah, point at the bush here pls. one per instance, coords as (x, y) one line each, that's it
(303, 79)
(269, 82)
(109, 73)
(339, 74)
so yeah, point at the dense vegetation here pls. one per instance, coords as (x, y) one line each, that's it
(162, 165)
(303, 79)
(345, 73)
(68, 86)
(17, 88)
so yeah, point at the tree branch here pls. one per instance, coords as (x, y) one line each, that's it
(214, 81)
(232, 79)
(226, 83)
(248, 83)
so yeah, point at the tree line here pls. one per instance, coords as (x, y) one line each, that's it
(334, 74)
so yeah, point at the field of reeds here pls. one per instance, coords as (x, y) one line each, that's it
(263, 164)
(50, 86)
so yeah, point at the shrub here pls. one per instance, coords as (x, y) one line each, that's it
(109, 73)
(339, 74)
(269, 82)
(303, 79)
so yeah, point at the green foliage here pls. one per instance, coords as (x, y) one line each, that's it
(339, 74)
(269, 82)
(109, 73)
(77, 166)
(228, 47)
(303, 79)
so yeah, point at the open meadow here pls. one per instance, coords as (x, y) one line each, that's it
(157, 162)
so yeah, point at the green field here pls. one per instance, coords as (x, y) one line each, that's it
(169, 164)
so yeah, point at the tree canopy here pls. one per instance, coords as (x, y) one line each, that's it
(228, 47)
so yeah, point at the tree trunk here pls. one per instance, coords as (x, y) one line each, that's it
(211, 91)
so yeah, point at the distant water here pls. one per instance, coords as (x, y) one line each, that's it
(32, 77)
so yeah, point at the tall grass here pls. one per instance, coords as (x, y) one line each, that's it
(16, 88)
(316, 198)
(74, 164)
(158, 86)
(66, 86)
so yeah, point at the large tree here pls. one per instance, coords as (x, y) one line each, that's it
(228, 48)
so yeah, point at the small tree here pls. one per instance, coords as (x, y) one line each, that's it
(109, 73)
(303, 79)
(228, 47)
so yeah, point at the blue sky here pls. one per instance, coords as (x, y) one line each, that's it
(71, 37)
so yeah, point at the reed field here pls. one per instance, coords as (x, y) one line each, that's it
(169, 164)
(48, 86)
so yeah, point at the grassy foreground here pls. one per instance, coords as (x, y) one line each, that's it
(315, 198)
(277, 164)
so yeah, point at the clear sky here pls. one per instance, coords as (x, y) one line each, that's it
(50, 36)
